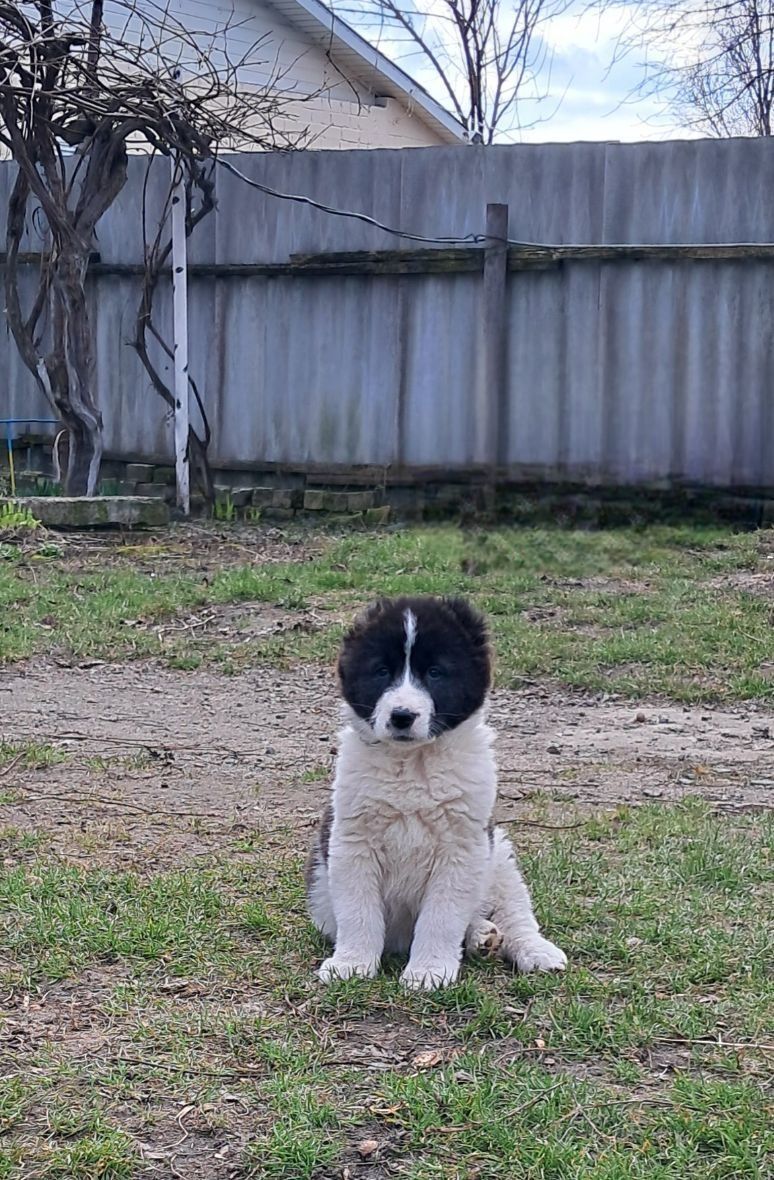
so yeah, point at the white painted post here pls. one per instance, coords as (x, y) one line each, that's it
(180, 336)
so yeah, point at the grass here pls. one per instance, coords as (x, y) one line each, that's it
(168, 1022)
(650, 1058)
(29, 755)
(667, 610)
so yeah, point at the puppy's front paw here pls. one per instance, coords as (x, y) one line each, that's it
(428, 976)
(341, 968)
(538, 954)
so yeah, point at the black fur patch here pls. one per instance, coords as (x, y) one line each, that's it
(450, 656)
(318, 853)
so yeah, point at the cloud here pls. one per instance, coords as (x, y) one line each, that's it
(585, 88)
(596, 91)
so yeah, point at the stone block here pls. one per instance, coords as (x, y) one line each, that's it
(122, 487)
(139, 472)
(319, 500)
(262, 497)
(314, 500)
(164, 475)
(288, 498)
(89, 512)
(155, 491)
(360, 501)
(240, 497)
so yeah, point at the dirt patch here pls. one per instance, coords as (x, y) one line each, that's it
(761, 585)
(183, 547)
(601, 584)
(68, 1014)
(556, 618)
(164, 766)
(229, 622)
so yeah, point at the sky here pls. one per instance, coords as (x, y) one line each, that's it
(588, 94)
(593, 95)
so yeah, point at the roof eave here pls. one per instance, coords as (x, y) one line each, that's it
(336, 30)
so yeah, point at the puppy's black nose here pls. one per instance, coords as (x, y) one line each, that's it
(402, 718)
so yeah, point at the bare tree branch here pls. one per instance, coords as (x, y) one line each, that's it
(485, 55)
(77, 95)
(710, 61)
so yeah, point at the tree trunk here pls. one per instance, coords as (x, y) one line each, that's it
(72, 373)
(84, 457)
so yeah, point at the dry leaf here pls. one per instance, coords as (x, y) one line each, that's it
(540, 1043)
(367, 1147)
(428, 1059)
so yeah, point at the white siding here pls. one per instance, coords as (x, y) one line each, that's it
(339, 111)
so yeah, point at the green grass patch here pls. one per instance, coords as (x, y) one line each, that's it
(55, 919)
(30, 755)
(649, 1058)
(641, 610)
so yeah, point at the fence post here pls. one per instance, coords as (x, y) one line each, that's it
(180, 335)
(494, 339)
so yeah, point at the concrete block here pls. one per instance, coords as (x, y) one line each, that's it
(319, 500)
(155, 491)
(360, 501)
(288, 498)
(262, 497)
(240, 497)
(84, 512)
(139, 472)
(314, 500)
(122, 487)
(164, 475)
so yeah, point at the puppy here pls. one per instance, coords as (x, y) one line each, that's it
(407, 858)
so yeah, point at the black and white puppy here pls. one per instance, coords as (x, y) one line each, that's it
(406, 857)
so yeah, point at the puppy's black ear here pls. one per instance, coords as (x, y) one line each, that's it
(361, 624)
(366, 617)
(373, 611)
(471, 620)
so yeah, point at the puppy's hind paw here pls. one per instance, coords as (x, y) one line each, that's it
(483, 939)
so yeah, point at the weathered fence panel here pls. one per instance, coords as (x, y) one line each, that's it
(630, 367)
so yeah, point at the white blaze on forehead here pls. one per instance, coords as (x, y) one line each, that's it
(410, 629)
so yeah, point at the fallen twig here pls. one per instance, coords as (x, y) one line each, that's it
(754, 1046)
(534, 823)
(88, 799)
(10, 766)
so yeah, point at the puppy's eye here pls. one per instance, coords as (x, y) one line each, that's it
(383, 672)
(434, 673)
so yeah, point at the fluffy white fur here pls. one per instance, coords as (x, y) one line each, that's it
(411, 864)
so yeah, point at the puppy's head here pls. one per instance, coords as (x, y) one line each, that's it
(412, 668)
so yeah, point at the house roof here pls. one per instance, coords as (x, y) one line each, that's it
(352, 52)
